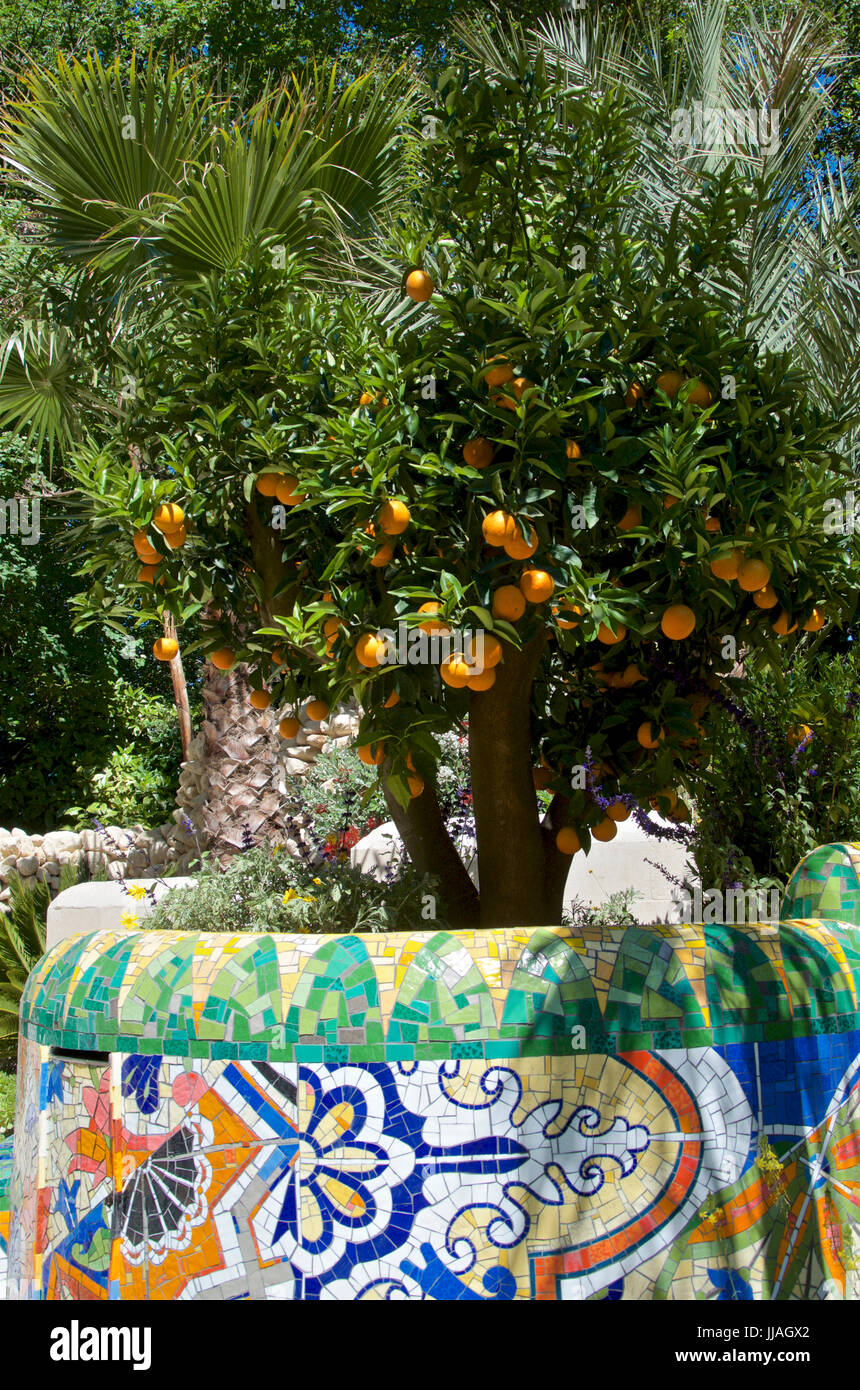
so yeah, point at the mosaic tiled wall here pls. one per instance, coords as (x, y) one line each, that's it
(497, 1115)
(826, 884)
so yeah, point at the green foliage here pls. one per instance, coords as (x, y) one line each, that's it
(769, 794)
(615, 912)
(7, 1103)
(88, 727)
(22, 944)
(263, 890)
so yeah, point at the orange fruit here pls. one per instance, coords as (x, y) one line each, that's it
(278, 658)
(146, 574)
(317, 710)
(631, 675)
(497, 527)
(766, 597)
(393, 699)
(415, 784)
(492, 652)
(223, 658)
(267, 483)
(781, 625)
(667, 795)
(331, 626)
(498, 376)
(537, 585)
(671, 383)
(645, 735)
(431, 627)
(680, 812)
(176, 539)
(569, 607)
(286, 491)
(635, 393)
(618, 811)
(393, 518)
(632, 517)
(419, 286)
(727, 568)
(372, 754)
(752, 575)
(815, 622)
(370, 650)
(168, 517)
(478, 453)
(670, 501)
(713, 525)
(700, 396)
(455, 673)
(165, 648)
(798, 733)
(573, 450)
(605, 831)
(520, 548)
(608, 637)
(366, 398)
(509, 602)
(260, 699)
(568, 841)
(146, 551)
(384, 555)
(678, 622)
(519, 385)
(288, 728)
(484, 680)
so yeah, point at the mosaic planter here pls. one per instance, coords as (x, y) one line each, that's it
(512, 1114)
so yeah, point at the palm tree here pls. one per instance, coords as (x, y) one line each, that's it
(796, 284)
(144, 184)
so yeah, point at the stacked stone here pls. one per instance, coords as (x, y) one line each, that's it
(139, 852)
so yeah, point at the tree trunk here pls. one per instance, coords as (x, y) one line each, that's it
(432, 850)
(515, 866)
(180, 691)
(245, 779)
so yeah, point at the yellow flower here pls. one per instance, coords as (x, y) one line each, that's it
(289, 895)
(317, 880)
(130, 920)
(137, 891)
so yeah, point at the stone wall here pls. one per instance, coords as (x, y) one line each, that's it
(139, 852)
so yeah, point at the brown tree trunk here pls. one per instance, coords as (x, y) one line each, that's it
(432, 850)
(517, 879)
(180, 690)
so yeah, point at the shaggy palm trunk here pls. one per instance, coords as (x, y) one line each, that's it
(246, 789)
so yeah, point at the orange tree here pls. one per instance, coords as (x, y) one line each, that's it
(563, 437)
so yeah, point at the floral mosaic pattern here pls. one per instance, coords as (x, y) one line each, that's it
(668, 1112)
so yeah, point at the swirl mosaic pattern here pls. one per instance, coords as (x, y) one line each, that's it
(663, 1112)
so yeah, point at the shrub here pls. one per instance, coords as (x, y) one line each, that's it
(771, 792)
(7, 1103)
(265, 890)
(22, 945)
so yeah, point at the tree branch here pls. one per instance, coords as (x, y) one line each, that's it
(432, 851)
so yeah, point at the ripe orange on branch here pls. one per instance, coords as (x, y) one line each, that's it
(645, 735)
(482, 680)
(766, 597)
(165, 648)
(478, 453)
(419, 286)
(753, 575)
(518, 547)
(509, 603)
(317, 710)
(728, 566)
(286, 491)
(671, 383)
(567, 840)
(372, 754)
(393, 518)
(223, 658)
(455, 672)
(500, 375)
(781, 625)
(678, 622)
(815, 622)
(608, 637)
(632, 517)
(497, 527)
(289, 727)
(260, 699)
(431, 627)
(146, 574)
(537, 585)
(370, 650)
(605, 831)
(168, 517)
(634, 394)
(267, 483)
